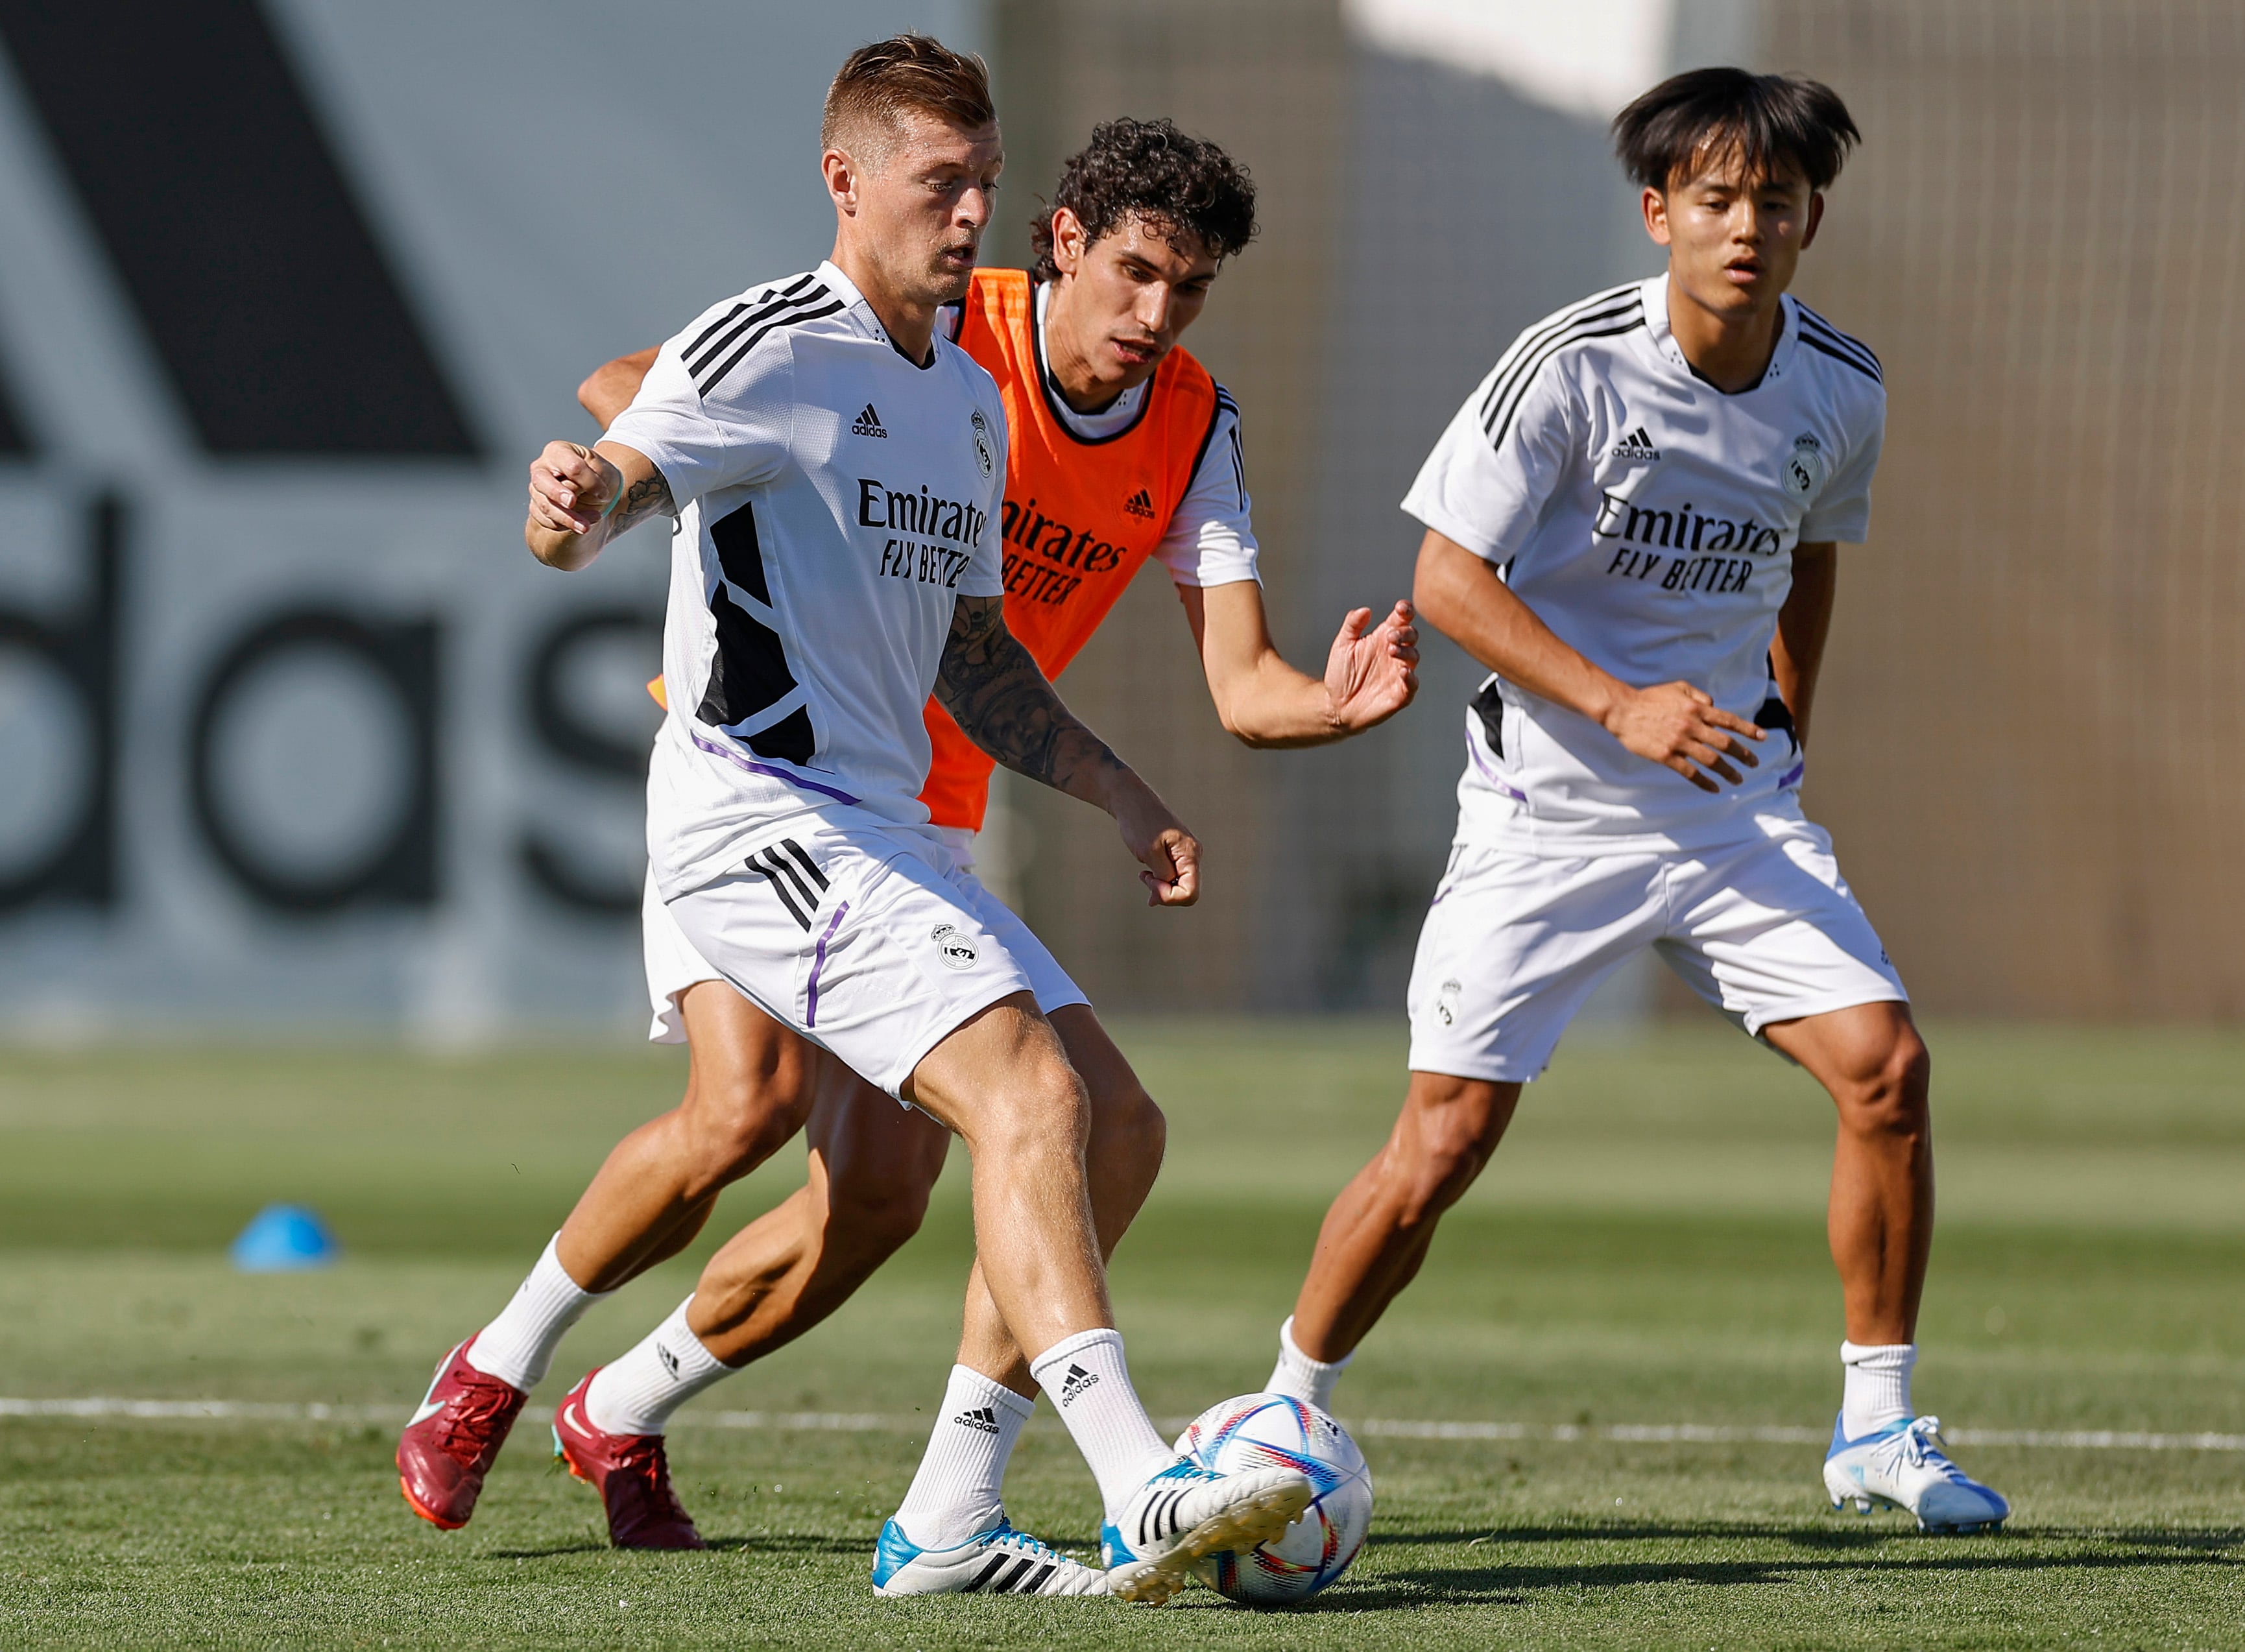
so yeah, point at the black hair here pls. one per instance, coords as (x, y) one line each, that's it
(1770, 123)
(1149, 169)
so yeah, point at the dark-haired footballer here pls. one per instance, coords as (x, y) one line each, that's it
(1120, 448)
(1633, 523)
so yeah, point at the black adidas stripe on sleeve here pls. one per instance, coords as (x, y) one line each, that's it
(741, 309)
(1821, 335)
(813, 304)
(1612, 302)
(1502, 409)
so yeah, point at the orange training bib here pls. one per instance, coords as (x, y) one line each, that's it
(1080, 516)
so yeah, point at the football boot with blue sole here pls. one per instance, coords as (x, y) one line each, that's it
(1000, 1561)
(1154, 1546)
(1904, 1467)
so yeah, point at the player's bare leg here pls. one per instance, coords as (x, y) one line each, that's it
(1870, 1058)
(1880, 1217)
(750, 1088)
(1376, 1233)
(1122, 1160)
(1003, 1082)
(873, 1165)
(950, 1526)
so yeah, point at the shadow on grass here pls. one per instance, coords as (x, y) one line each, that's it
(1509, 1585)
(1837, 1534)
(774, 1543)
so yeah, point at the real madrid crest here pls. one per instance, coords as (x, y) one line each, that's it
(985, 455)
(1806, 468)
(956, 950)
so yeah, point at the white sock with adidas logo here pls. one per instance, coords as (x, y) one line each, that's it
(636, 1394)
(1089, 1384)
(957, 1492)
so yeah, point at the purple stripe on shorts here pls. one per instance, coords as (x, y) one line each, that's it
(1490, 775)
(818, 963)
(1791, 776)
(732, 756)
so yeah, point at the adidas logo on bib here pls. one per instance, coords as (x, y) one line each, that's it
(1636, 445)
(868, 423)
(1140, 504)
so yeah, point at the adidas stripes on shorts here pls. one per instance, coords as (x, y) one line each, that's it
(1764, 928)
(876, 942)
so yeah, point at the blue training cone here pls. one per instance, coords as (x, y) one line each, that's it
(283, 1238)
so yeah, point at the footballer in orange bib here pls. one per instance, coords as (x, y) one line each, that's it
(1082, 514)
(1122, 448)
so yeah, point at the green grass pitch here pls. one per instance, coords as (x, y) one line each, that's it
(1647, 1251)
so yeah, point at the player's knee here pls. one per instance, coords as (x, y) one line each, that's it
(738, 1120)
(1445, 1157)
(1889, 1094)
(872, 1209)
(1130, 1129)
(1038, 1110)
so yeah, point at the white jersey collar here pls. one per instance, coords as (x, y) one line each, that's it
(861, 313)
(1654, 294)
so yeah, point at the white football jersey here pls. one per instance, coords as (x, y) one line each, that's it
(836, 501)
(1649, 520)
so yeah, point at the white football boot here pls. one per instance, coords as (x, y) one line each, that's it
(1904, 1467)
(998, 1561)
(1155, 1540)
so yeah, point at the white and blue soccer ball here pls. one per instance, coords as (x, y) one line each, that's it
(1270, 1431)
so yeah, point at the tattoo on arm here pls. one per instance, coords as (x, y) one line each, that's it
(994, 691)
(649, 495)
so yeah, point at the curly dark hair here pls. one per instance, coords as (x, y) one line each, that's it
(1149, 169)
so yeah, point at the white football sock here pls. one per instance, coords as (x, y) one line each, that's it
(517, 1346)
(1089, 1384)
(1298, 1376)
(1877, 1391)
(956, 1493)
(637, 1393)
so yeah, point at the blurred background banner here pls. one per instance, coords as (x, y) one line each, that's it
(293, 737)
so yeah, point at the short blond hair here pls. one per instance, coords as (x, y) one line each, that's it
(913, 73)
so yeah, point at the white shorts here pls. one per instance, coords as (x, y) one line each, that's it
(873, 942)
(1764, 929)
(673, 964)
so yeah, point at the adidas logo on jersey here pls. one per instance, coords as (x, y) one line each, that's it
(868, 423)
(981, 1417)
(1636, 445)
(1140, 504)
(1074, 1385)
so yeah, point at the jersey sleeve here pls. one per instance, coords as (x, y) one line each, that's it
(1210, 539)
(1499, 463)
(1842, 512)
(736, 436)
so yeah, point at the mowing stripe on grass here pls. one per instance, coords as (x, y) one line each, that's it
(1371, 1428)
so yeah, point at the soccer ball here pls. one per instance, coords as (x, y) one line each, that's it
(1260, 1430)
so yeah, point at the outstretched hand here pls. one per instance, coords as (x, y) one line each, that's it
(1372, 674)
